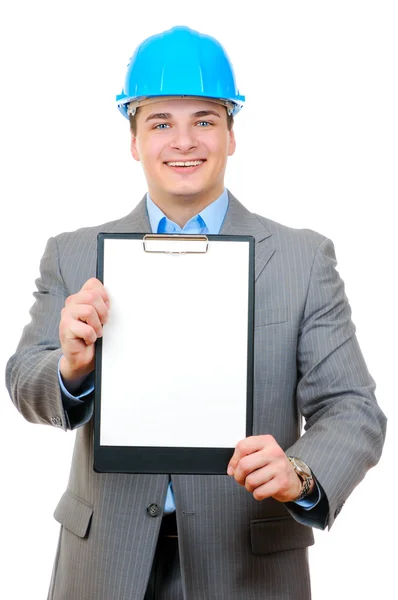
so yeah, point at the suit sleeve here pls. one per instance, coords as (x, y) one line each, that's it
(344, 426)
(32, 372)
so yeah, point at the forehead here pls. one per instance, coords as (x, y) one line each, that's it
(181, 107)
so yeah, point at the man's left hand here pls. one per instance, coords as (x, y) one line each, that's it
(261, 466)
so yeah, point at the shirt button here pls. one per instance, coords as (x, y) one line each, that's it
(153, 510)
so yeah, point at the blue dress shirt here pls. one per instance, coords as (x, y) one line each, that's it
(209, 220)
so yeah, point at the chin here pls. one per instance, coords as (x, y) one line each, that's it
(186, 191)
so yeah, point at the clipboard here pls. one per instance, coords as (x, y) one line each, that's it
(174, 368)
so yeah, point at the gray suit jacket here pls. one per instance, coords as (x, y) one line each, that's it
(307, 365)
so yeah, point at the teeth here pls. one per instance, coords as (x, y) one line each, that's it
(188, 163)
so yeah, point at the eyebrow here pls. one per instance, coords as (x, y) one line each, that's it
(199, 113)
(205, 113)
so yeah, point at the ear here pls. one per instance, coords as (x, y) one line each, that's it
(133, 147)
(232, 143)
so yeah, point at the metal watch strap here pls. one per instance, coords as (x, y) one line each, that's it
(306, 480)
(305, 489)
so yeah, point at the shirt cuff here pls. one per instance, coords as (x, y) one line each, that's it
(87, 387)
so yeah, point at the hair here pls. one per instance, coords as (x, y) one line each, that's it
(133, 122)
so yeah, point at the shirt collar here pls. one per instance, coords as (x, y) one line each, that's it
(213, 215)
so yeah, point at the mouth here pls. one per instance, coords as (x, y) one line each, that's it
(185, 166)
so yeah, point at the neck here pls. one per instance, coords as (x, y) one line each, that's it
(181, 209)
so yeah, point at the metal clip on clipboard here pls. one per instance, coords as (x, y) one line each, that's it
(173, 244)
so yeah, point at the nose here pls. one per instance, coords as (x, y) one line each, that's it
(184, 139)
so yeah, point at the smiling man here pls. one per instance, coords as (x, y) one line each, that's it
(183, 146)
(245, 534)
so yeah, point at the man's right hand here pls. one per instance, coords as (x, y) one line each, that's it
(81, 324)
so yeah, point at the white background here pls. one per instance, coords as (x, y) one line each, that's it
(317, 148)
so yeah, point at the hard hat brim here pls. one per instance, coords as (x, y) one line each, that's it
(128, 106)
(131, 107)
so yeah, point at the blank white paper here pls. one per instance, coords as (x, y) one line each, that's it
(174, 352)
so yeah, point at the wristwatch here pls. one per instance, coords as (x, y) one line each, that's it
(304, 473)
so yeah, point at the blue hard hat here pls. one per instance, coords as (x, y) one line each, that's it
(180, 62)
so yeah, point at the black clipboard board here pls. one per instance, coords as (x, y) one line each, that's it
(118, 435)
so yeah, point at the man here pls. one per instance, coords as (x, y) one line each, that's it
(129, 537)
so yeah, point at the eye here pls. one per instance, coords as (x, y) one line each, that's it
(162, 126)
(204, 123)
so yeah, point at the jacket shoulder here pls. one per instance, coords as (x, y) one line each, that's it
(286, 234)
(86, 233)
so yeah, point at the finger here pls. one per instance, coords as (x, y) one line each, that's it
(88, 298)
(248, 446)
(258, 478)
(280, 487)
(86, 314)
(249, 464)
(78, 354)
(96, 285)
(276, 481)
(266, 490)
(78, 330)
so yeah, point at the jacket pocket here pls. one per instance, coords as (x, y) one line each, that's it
(279, 534)
(74, 514)
(269, 316)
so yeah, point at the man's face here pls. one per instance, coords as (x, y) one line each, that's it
(183, 145)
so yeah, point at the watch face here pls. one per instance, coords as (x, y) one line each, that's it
(301, 466)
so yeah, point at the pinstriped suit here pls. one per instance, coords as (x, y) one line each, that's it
(307, 362)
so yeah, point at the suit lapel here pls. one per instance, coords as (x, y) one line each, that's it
(135, 222)
(239, 221)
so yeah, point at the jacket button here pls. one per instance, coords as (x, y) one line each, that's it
(153, 510)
